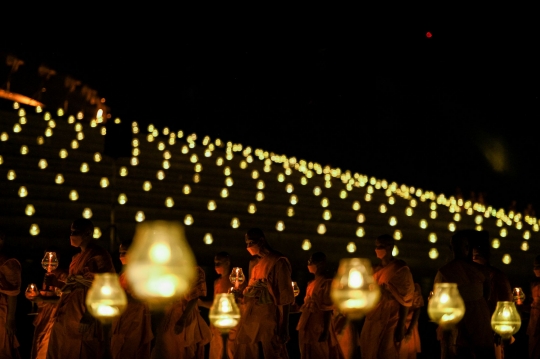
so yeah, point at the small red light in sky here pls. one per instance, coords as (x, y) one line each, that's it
(429, 35)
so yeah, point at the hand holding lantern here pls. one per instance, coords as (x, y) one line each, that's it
(237, 277)
(224, 315)
(518, 295)
(296, 289)
(506, 320)
(446, 307)
(106, 299)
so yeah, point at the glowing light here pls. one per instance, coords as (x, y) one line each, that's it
(139, 216)
(252, 208)
(289, 188)
(507, 259)
(235, 223)
(452, 227)
(526, 235)
(187, 189)
(255, 174)
(160, 175)
(327, 215)
(317, 191)
(360, 232)
(398, 235)
(290, 211)
(395, 251)
(225, 193)
(87, 213)
(97, 157)
(382, 208)
(423, 224)
(433, 214)
(259, 196)
(29, 210)
(306, 244)
(260, 184)
(40, 140)
(495, 243)
(503, 232)
(361, 218)
(321, 229)
(17, 128)
(409, 211)
(325, 202)
(74, 144)
(457, 217)
(188, 220)
(23, 192)
(73, 195)
(392, 221)
(280, 226)
(433, 253)
(63, 153)
(351, 247)
(281, 177)
(356, 206)
(84, 167)
(42, 164)
(34, 229)
(229, 181)
(432, 237)
(122, 198)
(59, 179)
(11, 175)
(211, 205)
(524, 246)
(4, 136)
(97, 233)
(169, 202)
(123, 171)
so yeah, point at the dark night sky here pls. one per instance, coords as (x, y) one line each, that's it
(456, 110)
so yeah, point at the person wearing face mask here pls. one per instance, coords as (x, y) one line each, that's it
(131, 331)
(533, 329)
(263, 330)
(316, 332)
(384, 326)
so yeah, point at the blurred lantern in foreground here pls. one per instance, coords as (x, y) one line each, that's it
(224, 313)
(354, 291)
(106, 299)
(505, 320)
(518, 295)
(446, 307)
(161, 264)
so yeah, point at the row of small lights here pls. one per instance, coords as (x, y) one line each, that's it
(403, 191)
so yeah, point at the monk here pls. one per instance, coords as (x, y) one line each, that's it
(222, 284)
(472, 337)
(316, 332)
(183, 333)
(10, 286)
(410, 346)
(263, 330)
(533, 329)
(384, 326)
(132, 331)
(75, 333)
(46, 313)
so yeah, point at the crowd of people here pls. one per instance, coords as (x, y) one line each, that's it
(64, 328)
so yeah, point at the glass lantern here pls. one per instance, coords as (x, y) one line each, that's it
(106, 299)
(354, 290)
(161, 264)
(237, 277)
(446, 307)
(518, 295)
(506, 320)
(224, 313)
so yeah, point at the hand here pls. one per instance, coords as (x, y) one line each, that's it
(407, 336)
(11, 327)
(399, 334)
(179, 326)
(324, 336)
(84, 325)
(284, 335)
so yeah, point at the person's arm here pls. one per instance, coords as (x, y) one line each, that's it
(181, 323)
(326, 326)
(205, 303)
(413, 324)
(399, 333)
(10, 322)
(284, 327)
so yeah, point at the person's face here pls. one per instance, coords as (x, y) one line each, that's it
(76, 237)
(536, 269)
(253, 246)
(221, 265)
(123, 258)
(382, 250)
(478, 258)
(312, 267)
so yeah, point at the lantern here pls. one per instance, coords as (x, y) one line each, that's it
(505, 320)
(106, 299)
(446, 307)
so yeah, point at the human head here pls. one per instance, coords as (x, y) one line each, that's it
(460, 242)
(316, 262)
(122, 251)
(222, 263)
(384, 244)
(480, 247)
(255, 241)
(536, 266)
(82, 230)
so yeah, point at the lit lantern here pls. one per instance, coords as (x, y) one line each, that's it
(97, 233)
(106, 299)
(161, 264)
(73, 195)
(122, 198)
(11, 175)
(398, 235)
(212, 205)
(290, 211)
(29, 210)
(280, 226)
(446, 307)
(198, 168)
(224, 313)
(354, 291)
(356, 206)
(495, 243)
(317, 191)
(34, 229)
(306, 244)
(327, 215)
(507, 259)
(139, 216)
(506, 320)
(392, 221)
(321, 229)
(433, 253)
(188, 220)
(84, 167)
(259, 196)
(87, 213)
(360, 232)
(518, 295)
(235, 223)
(42, 164)
(432, 237)
(147, 186)
(23, 192)
(351, 247)
(187, 190)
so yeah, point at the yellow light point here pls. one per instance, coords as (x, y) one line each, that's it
(47, 116)
(40, 140)
(97, 157)
(188, 220)
(280, 226)
(243, 164)
(432, 237)
(433, 214)
(392, 221)
(398, 235)
(321, 229)
(187, 190)
(185, 150)
(423, 224)
(17, 128)
(478, 227)
(235, 223)
(457, 217)
(254, 174)
(21, 111)
(155, 133)
(526, 235)
(80, 136)
(391, 200)
(42, 164)
(293, 199)
(413, 203)
(87, 213)
(351, 247)
(169, 202)
(1, 159)
(78, 127)
(306, 244)
(123, 171)
(536, 227)
(356, 206)
(303, 181)
(208, 239)
(433, 206)
(136, 152)
(249, 159)
(97, 233)
(134, 161)
(524, 246)
(24, 150)
(452, 227)
(260, 184)
(327, 215)
(80, 115)
(4, 137)
(325, 202)
(29, 210)
(317, 191)
(519, 225)
(503, 232)
(160, 175)
(289, 188)
(507, 259)
(395, 251)
(225, 193)
(367, 197)
(252, 208)
(281, 177)
(265, 169)
(433, 253)
(84, 167)
(360, 232)
(73, 195)
(122, 198)
(34, 229)
(495, 243)
(11, 175)
(211, 205)
(370, 189)
(382, 208)
(360, 218)
(166, 131)
(227, 171)
(193, 158)
(198, 167)
(343, 194)
(63, 153)
(259, 196)
(23, 192)
(409, 211)
(74, 144)
(59, 179)
(161, 146)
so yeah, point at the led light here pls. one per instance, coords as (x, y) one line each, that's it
(34, 229)
(235, 223)
(122, 198)
(84, 167)
(361, 218)
(351, 247)
(398, 235)
(423, 224)
(160, 175)
(280, 226)
(23, 192)
(225, 193)
(293, 199)
(169, 202)
(123, 171)
(139, 216)
(188, 220)
(73, 195)
(211, 205)
(97, 233)
(507, 259)
(252, 208)
(187, 189)
(306, 244)
(433, 253)
(321, 229)
(327, 215)
(317, 191)
(59, 179)
(259, 196)
(391, 221)
(87, 213)
(63, 153)
(356, 206)
(11, 175)
(432, 237)
(360, 232)
(29, 210)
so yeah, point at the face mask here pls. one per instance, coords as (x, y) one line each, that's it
(253, 250)
(537, 272)
(380, 253)
(312, 268)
